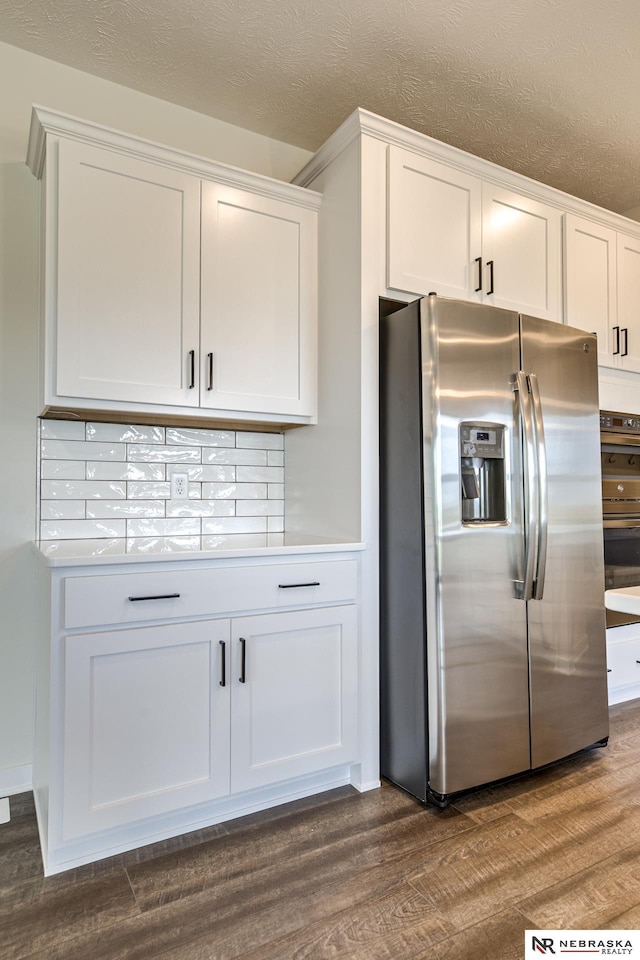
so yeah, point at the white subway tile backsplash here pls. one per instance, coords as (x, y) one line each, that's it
(62, 469)
(259, 508)
(234, 491)
(82, 490)
(81, 529)
(124, 433)
(82, 450)
(124, 471)
(62, 509)
(201, 438)
(174, 527)
(275, 539)
(227, 455)
(262, 441)
(260, 474)
(62, 430)
(144, 490)
(234, 525)
(162, 544)
(207, 472)
(99, 509)
(200, 508)
(84, 548)
(234, 541)
(105, 488)
(163, 454)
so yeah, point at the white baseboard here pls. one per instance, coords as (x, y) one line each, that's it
(15, 780)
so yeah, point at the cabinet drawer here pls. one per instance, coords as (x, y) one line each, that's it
(126, 598)
(623, 662)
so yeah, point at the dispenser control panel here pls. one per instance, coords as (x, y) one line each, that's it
(480, 441)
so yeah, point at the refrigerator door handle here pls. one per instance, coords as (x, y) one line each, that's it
(542, 490)
(530, 486)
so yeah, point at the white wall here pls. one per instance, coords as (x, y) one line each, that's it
(26, 79)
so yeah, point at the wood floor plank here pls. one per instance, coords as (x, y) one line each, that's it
(500, 937)
(20, 855)
(467, 880)
(591, 899)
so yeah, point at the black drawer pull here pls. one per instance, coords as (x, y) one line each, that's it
(160, 596)
(292, 586)
(609, 670)
(243, 660)
(223, 653)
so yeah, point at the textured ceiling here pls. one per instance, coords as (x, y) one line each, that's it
(549, 88)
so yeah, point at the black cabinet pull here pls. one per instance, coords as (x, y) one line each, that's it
(609, 669)
(192, 369)
(243, 660)
(210, 371)
(479, 262)
(223, 662)
(293, 586)
(616, 330)
(490, 265)
(625, 330)
(159, 596)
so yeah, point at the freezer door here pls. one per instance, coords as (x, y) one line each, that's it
(567, 625)
(477, 664)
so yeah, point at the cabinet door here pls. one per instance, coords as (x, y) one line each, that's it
(521, 249)
(296, 711)
(259, 303)
(146, 723)
(434, 227)
(127, 312)
(590, 283)
(629, 301)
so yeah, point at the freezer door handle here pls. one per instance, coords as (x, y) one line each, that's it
(530, 486)
(542, 489)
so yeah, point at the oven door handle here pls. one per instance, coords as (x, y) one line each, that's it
(521, 387)
(542, 490)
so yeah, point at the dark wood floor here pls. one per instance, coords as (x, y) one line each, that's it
(350, 876)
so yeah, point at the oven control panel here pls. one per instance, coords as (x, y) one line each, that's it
(620, 422)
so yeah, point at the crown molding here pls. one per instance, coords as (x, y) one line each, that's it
(47, 123)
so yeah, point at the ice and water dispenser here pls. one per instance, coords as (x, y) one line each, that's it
(482, 473)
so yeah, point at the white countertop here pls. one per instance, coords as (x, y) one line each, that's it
(55, 553)
(623, 600)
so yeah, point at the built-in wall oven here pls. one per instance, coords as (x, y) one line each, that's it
(620, 452)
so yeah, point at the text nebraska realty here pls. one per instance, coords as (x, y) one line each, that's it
(605, 947)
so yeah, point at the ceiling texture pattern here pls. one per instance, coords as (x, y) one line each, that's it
(549, 88)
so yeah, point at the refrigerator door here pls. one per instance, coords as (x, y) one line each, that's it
(567, 625)
(477, 666)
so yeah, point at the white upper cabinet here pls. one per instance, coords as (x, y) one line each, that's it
(453, 234)
(258, 302)
(172, 284)
(590, 283)
(435, 227)
(629, 301)
(128, 278)
(602, 285)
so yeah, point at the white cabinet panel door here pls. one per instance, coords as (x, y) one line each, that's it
(521, 249)
(146, 723)
(258, 313)
(590, 283)
(434, 227)
(629, 301)
(296, 711)
(127, 311)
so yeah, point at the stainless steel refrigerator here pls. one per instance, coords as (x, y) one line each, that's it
(493, 656)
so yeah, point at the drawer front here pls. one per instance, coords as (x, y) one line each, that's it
(127, 598)
(623, 662)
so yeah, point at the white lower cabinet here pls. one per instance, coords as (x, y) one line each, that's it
(294, 688)
(623, 662)
(203, 710)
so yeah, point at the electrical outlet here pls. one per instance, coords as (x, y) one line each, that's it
(179, 486)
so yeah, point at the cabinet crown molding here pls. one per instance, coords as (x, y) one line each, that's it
(363, 123)
(46, 123)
